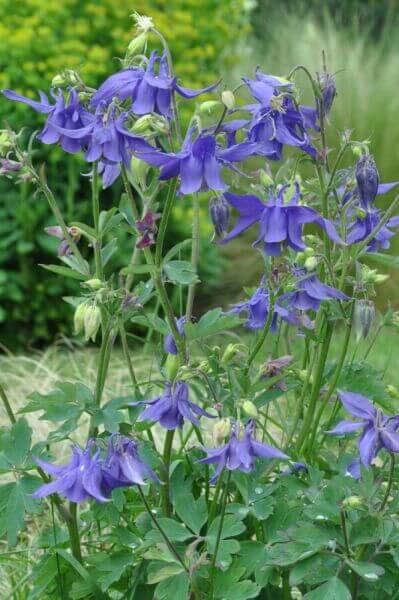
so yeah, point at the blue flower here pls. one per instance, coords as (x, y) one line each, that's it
(169, 343)
(362, 226)
(309, 292)
(257, 309)
(149, 91)
(199, 162)
(240, 452)
(67, 114)
(378, 430)
(172, 407)
(280, 225)
(368, 179)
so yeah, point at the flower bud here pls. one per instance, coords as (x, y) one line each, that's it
(92, 322)
(228, 99)
(143, 124)
(364, 317)
(352, 502)
(78, 319)
(172, 366)
(221, 430)
(328, 92)
(367, 178)
(58, 81)
(265, 179)
(230, 352)
(219, 212)
(208, 106)
(5, 142)
(311, 263)
(250, 409)
(392, 391)
(309, 251)
(137, 45)
(139, 170)
(94, 284)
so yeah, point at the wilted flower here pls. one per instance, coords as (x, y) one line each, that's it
(257, 309)
(147, 227)
(79, 480)
(68, 115)
(309, 292)
(367, 178)
(56, 231)
(123, 466)
(219, 211)
(169, 343)
(199, 162)
(149, 91)
(280, 225)
(240, 452)
(172, 407)
(378, 430)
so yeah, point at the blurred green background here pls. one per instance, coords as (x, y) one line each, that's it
(38, 38)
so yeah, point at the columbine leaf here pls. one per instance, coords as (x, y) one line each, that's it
(15, 443)
(174, 587)
(66, 402)
(15, 500)
(368, 571)
(334, 589)
(180, 271)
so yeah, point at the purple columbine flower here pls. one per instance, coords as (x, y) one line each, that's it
(273, 368)
(123, 466)
(149, 91)
(172, 407)
(364, 225)
(276, 119)
(280, 225)
(328, 91)
(107, 141)
(79, 480)
(368, 179)
(219, 212)
(199, 162)
(8, 166)
(169, 343)
(148, 229)
(378, 430)
(67, 114)
(56, 231)
(240, 452)
(295, 467)
(309, 292)
(257, 309)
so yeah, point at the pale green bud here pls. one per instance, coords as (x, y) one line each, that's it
(300, 259)
(5, 142)
(265, 179)
(139, 170)
(230, 352)
(361, 213)
(250, 409)
(309, 251)
(357, 150)
(352, 502)
(172, 365)
(92, 322)
(161, 125)
(392, 391)
(311, 263)
(58, 81)
(78, 319)
(137, 45)
(209, 106)
(143, 124)
(221, 430)
(228, 99)
(302, 375)
(94, 284)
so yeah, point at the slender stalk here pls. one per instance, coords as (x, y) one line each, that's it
(7, 405)
(373, 341)
(195, 248)
(164, 222)
(345, 532)
(390, 481)
(167, 452)
(101, 373)
(219, 536)
(125, 348)
(263, 336)
(95, 196)
(161, 531)
(214, 504)
(286, 585)
(73, 530)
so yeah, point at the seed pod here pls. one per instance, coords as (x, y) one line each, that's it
(364, 317)
(78, 319)
(92, 322)
(219, 212)
(367, 178)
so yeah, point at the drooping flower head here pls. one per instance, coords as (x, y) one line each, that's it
(172, 407)
(363, 225)
(67, 113)
(240, 452)
(309, 293)
(199, 162)
(367, 178)
(81, 479)
(280, 224)
(169, 343)
(328, 91)
(378, 430)
(63, 247)
(219, 212)
(274, 367)
(150, 90)
(257, 310)
(123, 466)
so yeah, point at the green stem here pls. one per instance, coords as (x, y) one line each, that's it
(101, 373)
(167, 452)
(7, 405)
(125, 348)
(373, 341)
(161, 531)
(195, 249)
(95, 195)
(286, 585)
(214, 504)
(345, 533)
(164, 222)
(390, 481)
(263, 336)
(219, 536)
(73, 530)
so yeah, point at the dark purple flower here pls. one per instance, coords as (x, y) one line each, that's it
(273, 368)
(67, 114)
(280, 225)
(149, 91)
(147, 227)
(362, 226)
(79, 480)
(219, 212)
(328, 91)
(169, 343)
(378, 430)
(123, 466)
(240, 452)
(8, 167)
(295, 467)
(199, 162)
(276, 119)
(367, 178)
(257, 309)
(172, 407)
(56, 231)
(107, 141)
(309, 292)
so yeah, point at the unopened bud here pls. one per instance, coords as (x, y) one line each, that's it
(352, 502)
(172, 365)
(78, 319)
(137, 45)
(311, 263)
(392, 391)
(143, 124)
(265, 179)
(230, 352)
(219, 212)
(309, 251)
(228, 99)
(250, 409)
(92, 322)
(139, 170)
(328, 92)
(367, 178)
(94, 284)
(357, 150)
(5, 142)
(221, 430)
(364, 317)
(209, 106)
